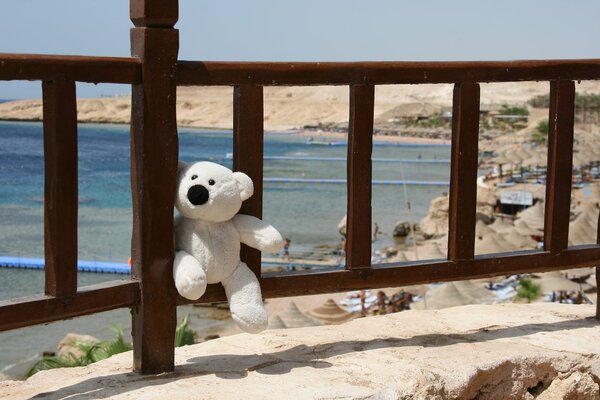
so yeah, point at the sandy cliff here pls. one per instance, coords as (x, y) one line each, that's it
(291, 107)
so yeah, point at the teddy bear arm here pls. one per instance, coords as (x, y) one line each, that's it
(258, 234)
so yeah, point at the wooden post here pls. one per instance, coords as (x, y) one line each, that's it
(60, 187)
(560, 165)
(248, 130)
(154, 155)
(360, 148)
(463, 171)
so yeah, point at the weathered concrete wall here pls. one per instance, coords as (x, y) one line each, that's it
(543, 351)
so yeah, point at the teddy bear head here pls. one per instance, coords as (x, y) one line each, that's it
(210, 192)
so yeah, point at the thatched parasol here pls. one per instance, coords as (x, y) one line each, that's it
(524, 229)
(454, 294)
(331, 313)
(534, 216)
(276, 323)
(292, 317)
(554, 282)
(492, 243)
(583, 229)
(501, 225)
(520, 241)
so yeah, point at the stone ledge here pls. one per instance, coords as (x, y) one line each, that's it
(543, 351)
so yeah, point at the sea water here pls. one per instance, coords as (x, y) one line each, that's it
(306, 213)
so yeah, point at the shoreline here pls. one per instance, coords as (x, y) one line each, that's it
(327, 135)
(376, 138)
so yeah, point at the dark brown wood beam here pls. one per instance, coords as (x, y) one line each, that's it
(32, 310)
(60, 187)
(560, 166)
(413, 273)
(463, 171)
(381, 73)
(154, 156)
(74, 68)
(248, 150)
(360, 148)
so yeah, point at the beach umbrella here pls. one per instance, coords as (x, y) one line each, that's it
(583, 229)
(579, 272)
(593, 297)
(533, 216)
(482, 229)
(430, 251)
(591, 280)
(501, 225)
(554, 282)
(276, 323)
(454, 294)
(522, 228)
(474, 290)
(492, 243)
(331, 313)
(519, 240)
(292, 317)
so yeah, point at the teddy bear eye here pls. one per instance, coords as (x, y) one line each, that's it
(194, 177)
(211, 182)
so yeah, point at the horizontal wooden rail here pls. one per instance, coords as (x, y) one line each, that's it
(39, 309)
(381, 73)
(413, 273)
(74, 68)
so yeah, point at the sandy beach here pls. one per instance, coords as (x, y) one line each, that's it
(291, 108)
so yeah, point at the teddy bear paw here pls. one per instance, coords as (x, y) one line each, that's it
(191, 289)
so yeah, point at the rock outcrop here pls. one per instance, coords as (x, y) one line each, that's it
(543, 351)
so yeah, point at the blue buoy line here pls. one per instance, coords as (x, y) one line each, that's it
(379, 160)
(114, 267)
(82, 266)
(343, 181)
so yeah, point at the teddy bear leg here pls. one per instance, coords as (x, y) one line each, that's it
(189, 276)
(245, 300)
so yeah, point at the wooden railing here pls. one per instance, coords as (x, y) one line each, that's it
(154, 74)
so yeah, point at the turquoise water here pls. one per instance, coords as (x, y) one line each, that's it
(307, 213)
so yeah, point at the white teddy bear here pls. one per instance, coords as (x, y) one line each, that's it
(208, 233)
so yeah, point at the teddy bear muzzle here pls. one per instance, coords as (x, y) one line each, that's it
(198, 195)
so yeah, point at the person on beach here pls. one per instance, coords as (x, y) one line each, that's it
(375, 231)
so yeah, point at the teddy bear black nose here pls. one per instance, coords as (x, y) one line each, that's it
(198, 195)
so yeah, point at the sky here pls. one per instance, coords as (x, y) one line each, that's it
(308, 30)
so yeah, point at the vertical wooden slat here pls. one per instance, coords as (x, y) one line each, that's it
(248, 130)
(60, 187)
(560, 165)
(463, 171)
(154, 154)
(360, 148)
(597, 270)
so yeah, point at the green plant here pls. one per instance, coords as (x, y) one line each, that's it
(542, 127)
(184, 335)
(433, 122)
(541, 101)
(528, 290)
(514, 110)
(93, 352)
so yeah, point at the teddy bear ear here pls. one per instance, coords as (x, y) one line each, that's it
(245, 184)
